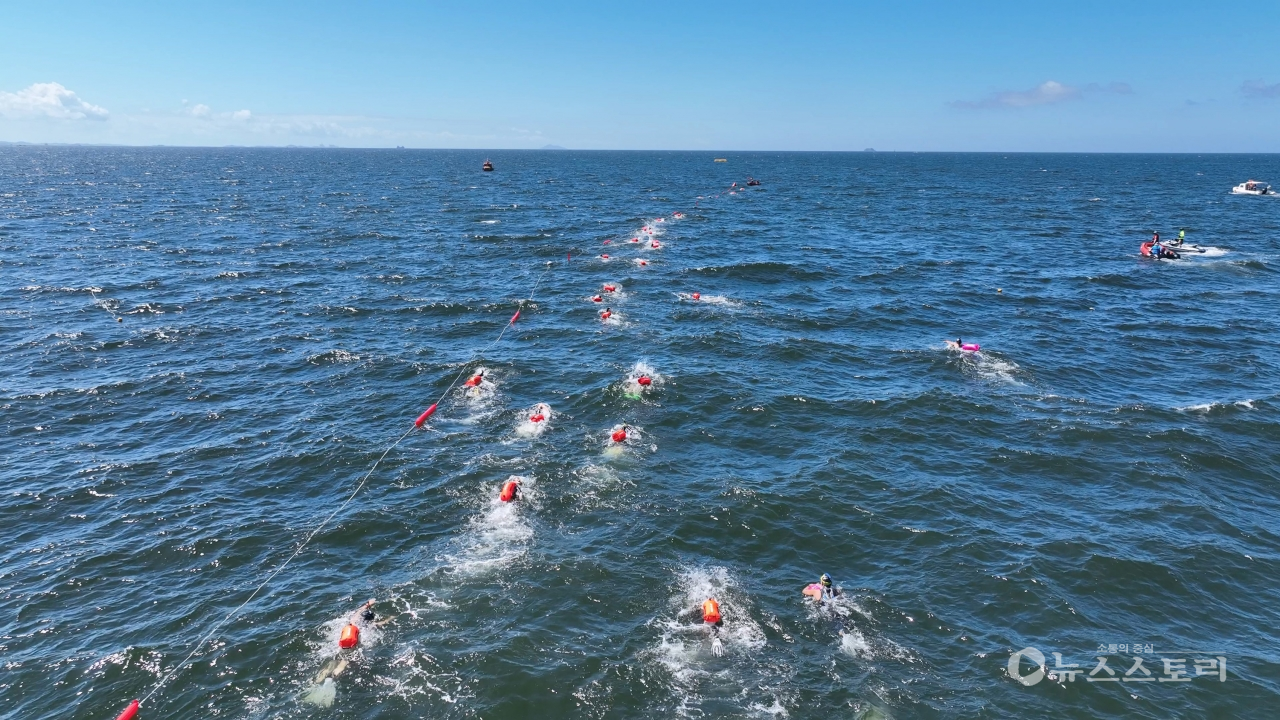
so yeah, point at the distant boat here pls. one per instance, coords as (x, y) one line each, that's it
(722, 159)
(1252, 187)
(487, 167)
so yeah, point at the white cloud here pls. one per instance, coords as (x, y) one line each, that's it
(48, 100)
(200, 110)
(241, 115)
(1258, 89)
(1049, 92)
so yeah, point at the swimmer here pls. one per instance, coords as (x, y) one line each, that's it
(541, 412)
(349, 640)
(655, 244)
(596, 298)
(955, 344)
(604, 257)
(712, 621)
(822, 590)
(635, 240)
(608, 313)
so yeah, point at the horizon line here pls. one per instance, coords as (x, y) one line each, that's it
(866, 151)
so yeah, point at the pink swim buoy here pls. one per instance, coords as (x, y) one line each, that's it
(971, 347)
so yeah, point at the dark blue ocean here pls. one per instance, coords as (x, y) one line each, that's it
(206, 350)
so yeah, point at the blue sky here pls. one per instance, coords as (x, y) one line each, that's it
(1083, 76)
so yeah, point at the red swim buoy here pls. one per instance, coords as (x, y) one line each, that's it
(129, 712)
(644, 262)
(697, 296)
(606, 315)
(423, 417)
(474, 381)
(350, 637)
(635, 239)
(514, 318)
(644, 380)
(596, 298)
(655, 245)
(604, 257)
(619, 435)
(509, 490)
(711, 611)
(610, 288)
(537, 418)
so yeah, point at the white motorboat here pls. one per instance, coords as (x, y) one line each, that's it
(1252, 187)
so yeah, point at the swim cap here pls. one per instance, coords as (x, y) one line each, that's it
(825, 580)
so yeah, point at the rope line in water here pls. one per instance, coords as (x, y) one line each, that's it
(132, 710)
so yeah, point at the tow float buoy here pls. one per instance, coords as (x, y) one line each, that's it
(711, 611)
(509, 490)
(350, 637)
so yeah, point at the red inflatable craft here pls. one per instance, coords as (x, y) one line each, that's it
(129, 712)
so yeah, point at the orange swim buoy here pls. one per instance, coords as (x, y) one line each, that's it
(596, 298)
(606, 315)
(509, 490)
(644, 380)
(474, 381)
(350, 637)
(711, 611)
(610, 288)
(537, 418)
(619, 435)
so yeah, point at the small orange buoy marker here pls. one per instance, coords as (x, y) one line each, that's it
(350, 637)
(130, 712)
(711, 611)
(697, 296)
(509, 490)
(619, 435)
(644, 380)
(423, 417)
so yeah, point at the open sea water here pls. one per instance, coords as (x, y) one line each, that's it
(1100, 480)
